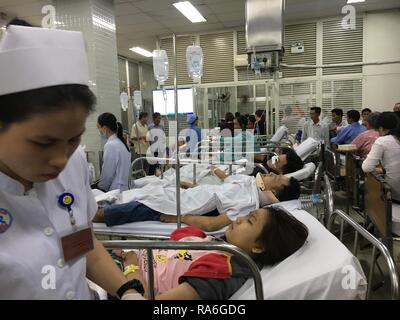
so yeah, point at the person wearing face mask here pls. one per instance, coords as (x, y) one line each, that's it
(208, 207)
(116, 157)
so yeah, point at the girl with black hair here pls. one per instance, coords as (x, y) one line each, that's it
(384, 156)
(268, 236)
(116, 158)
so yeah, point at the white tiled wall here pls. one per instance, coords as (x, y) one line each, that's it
(95, 19)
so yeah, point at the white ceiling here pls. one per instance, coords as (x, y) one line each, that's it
(141, 22)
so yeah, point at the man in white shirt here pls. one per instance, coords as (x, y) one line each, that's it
(157, 139)
(337, 123)
(316, 129)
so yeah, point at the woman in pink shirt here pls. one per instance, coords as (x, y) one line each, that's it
(365, 140)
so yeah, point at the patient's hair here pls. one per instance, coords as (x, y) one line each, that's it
(289, 192)
(294, 162)
(281, 236)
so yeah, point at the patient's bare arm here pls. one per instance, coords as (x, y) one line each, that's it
(219, 173)
(204, 223)
(187, 185)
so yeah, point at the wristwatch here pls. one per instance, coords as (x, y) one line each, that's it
(132, 284)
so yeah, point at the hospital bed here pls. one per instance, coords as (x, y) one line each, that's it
(160, 230)
(377, 245)
(313, 272)
(280, 139)
(241, 166)
(194, 170)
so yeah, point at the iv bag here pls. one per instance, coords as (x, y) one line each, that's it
(194, 59)
(124, 100)
(160, 66)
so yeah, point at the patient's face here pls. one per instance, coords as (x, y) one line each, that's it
(275, 182)
(279, 165)
(245, 231)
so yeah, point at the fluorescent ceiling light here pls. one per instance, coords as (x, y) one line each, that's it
(189, 11)
(354, 1)
(141, 51)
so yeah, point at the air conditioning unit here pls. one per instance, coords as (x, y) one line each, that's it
(241, 60)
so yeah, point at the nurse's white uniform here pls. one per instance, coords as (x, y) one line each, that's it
(116, 165)
(237, 196)
(32, 224)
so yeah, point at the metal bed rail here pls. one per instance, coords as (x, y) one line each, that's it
(180, 245)
(207, 145)
(377, 245)
(124, 235)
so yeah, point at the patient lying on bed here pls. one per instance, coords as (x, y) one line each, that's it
(286, 162)
(267, 235)
(237, 196)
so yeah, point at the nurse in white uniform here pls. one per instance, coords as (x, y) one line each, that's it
(46, 205)
(117, 157)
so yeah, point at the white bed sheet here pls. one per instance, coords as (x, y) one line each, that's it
(316, 272)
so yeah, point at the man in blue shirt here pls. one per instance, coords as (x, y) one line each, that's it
(349, 133)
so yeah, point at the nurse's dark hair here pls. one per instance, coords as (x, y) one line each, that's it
(21, 106)
(289, 192)
(110, 121)
(281, 236)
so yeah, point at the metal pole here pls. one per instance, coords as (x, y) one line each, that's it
(371, 270)
(194, 173)
(177, 170)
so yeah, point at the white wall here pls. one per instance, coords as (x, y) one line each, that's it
(382, 42)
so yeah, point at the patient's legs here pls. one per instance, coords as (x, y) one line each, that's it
(127, 212)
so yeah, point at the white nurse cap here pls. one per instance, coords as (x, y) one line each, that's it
(33, 58)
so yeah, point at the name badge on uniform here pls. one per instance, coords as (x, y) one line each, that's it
(79, 242)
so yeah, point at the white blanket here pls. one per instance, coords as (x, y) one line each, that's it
(238, 195)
